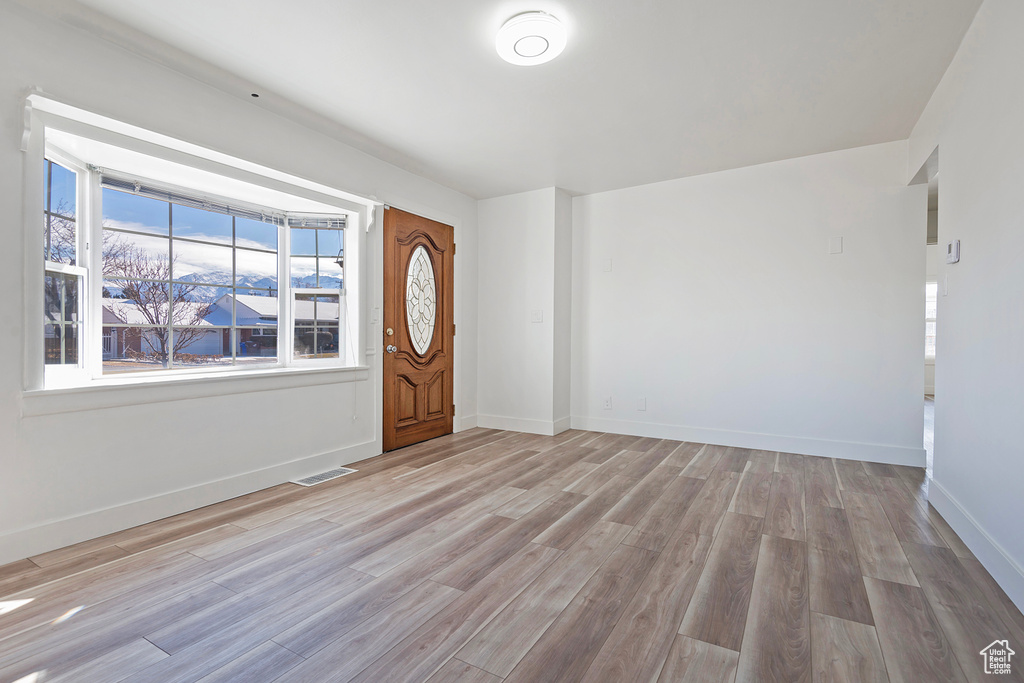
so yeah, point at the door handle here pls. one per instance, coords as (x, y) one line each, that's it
(391, 348)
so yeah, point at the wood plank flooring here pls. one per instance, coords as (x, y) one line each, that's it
(490, 556)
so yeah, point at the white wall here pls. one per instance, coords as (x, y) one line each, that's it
(66, 476)
(525, 273)
(976, 118)
(725, 311)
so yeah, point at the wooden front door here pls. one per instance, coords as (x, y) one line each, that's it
(418, 329)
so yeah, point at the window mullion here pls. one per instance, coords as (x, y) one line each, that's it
(285, 309)
(234, 334)
(170, 287)
(91, 226)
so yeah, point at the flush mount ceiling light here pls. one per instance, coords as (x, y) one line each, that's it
(530, 38)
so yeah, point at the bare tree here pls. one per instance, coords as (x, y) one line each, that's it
(145, 287)
(145, 284)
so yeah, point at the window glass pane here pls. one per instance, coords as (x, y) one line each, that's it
(304, 272)
(71, 344)
(52, 342)
(53, 291)
(138, 257)
(256, 270)
(202, 305)
(60, 344)
(929, 339)
(250, 233)
(135, 302)
(132, 349)
(60, 243)
(71, 283)
(253, 310)
(316, 308)
(60, 330)
(63, 191)
(330, 243)
(201, 347)
(316, 342)
(330, 274)
(303, 242)
(256, 345)
(132, 212)
(202, 263)
(61, 297)
(200, 225)
(316, 325)
(192, 305)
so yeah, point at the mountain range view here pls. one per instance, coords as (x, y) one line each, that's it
(213, 283)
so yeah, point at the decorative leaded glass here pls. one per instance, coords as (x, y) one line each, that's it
(420, 300)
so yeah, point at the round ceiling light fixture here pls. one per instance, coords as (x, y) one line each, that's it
(530, 38)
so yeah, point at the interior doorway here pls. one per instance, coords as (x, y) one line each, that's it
(932, 275)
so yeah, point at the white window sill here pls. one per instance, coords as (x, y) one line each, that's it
(126, 391)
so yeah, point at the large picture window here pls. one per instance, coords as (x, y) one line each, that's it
(186, 284)
(185, 281)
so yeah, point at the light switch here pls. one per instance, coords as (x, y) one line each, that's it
(536, 316)
(835, 245)
(607, 265)
(375, 315)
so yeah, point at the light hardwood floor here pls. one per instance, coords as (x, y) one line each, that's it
(488, 556)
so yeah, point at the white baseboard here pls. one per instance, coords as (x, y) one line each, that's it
(845, 450)
(467, 422)
(562, 425)
(1007, 573)
(24, 543)
(517, 424)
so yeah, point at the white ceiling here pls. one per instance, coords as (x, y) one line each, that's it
(646, 90)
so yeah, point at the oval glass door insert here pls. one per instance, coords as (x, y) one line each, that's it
(420, 300)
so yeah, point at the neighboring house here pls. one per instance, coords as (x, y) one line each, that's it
(317, 326)
(127, 330)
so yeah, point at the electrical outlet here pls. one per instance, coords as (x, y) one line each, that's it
(641, 404)
(608, 403)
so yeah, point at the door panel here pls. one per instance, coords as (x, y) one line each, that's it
(418, 313)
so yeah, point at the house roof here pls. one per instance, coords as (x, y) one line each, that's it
(126, 312)
(262, 310)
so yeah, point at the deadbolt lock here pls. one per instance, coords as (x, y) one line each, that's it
(389, 331)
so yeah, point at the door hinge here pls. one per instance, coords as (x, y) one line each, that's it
(453, 329)
(454, 249)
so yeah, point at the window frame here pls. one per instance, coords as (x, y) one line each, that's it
(38, 376)
(64, 372)
(97, 236)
